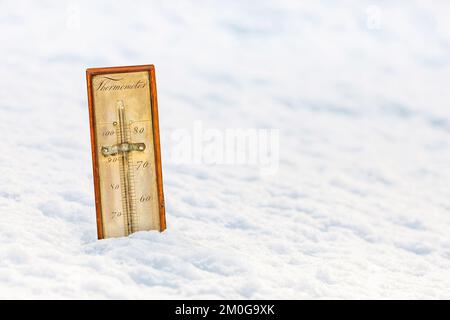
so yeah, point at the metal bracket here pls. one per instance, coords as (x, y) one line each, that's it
(122, 148)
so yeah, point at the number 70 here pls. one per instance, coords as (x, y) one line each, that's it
(141, 164)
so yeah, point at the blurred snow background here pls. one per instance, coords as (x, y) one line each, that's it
(359, 207)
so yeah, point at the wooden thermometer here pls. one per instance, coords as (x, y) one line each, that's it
(126, 156)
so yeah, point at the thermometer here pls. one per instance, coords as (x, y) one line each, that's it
(125, 150)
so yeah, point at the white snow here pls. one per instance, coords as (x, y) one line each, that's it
(358, 208)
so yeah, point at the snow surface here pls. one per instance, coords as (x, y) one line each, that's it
(359, 207)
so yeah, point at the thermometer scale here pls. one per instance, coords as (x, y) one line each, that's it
(125, 150)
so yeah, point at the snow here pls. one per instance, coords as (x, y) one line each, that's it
(357, 208)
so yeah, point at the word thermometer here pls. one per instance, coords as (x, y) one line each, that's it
(125, 150)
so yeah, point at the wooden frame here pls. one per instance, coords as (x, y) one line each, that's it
(157, 148)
